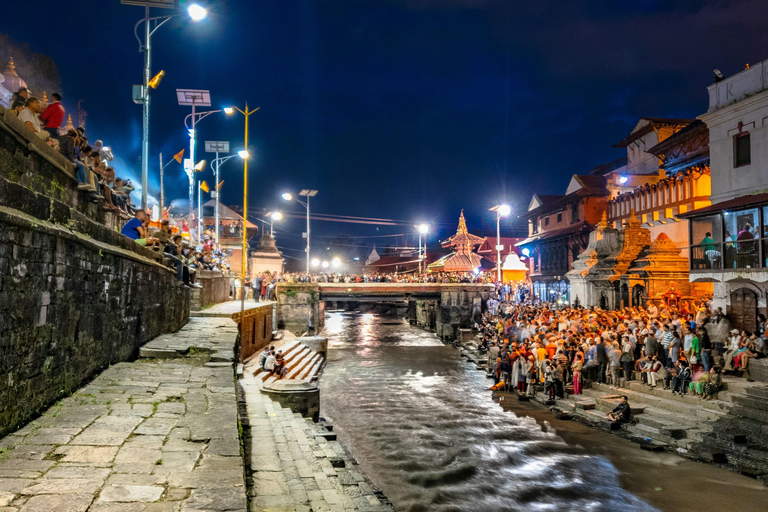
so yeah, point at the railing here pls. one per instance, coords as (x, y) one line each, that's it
(742, 254)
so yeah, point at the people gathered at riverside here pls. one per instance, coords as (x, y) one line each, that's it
(549, 345)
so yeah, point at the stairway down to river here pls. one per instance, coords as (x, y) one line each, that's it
(731, 430)
(302, 363)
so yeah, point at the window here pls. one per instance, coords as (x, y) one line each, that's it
(574, 213)
(546, 221)
(559, 217)
(742, 228)
(742, 150)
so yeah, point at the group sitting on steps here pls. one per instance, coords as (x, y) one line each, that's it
(534, 345)
(689, 378)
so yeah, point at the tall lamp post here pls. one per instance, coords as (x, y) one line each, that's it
(502, 210)
(195, 98)
(245, 155)
(141, 92)
(304, 193)
(423, 230)
(216, 146)
(273, 216)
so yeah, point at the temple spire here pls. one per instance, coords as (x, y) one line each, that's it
(462, 224)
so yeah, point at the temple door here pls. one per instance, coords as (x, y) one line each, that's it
(743, 309)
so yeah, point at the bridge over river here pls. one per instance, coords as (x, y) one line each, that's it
(445, 307)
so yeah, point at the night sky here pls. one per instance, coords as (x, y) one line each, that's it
(398, 109)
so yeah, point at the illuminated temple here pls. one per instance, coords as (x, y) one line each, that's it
(462, 258)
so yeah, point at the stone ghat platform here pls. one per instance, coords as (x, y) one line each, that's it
(729, 430)
(296, 465)
(153, 435)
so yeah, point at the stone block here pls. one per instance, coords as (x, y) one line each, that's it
(59, 503)
(131, 493)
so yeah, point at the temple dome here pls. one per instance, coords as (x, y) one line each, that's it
(13, 82)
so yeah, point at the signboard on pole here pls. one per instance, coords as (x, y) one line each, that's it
(164, 4)
(217, 146)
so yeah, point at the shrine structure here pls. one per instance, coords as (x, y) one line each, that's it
(463, 258)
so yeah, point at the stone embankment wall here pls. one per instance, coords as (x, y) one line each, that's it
(215, 289)
(297, 304)
(75, 295)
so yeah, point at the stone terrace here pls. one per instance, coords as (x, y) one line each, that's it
(153, 435)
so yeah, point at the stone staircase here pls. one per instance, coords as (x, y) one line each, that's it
(731, 430)
(302, 363)
(296, 465)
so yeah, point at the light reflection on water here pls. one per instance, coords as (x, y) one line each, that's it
(423, 426)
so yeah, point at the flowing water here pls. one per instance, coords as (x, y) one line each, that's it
(423, 426)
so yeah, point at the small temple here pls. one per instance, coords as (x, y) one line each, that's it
(463, 258)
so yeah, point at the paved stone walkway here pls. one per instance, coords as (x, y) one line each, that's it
(297, 466)
(212, 334)
(156, 435)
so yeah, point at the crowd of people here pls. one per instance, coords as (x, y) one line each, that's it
(393, 277)
(542, 345)
(90, 162)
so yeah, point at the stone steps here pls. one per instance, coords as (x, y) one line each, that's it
(295, 465)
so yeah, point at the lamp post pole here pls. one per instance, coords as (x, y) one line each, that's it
(216, 189)
(308, 235)
(245, 155)
(498, 248)
(145, 112)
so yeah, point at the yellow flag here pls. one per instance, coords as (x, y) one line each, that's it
(179, 156)
(220, 184)
(204, 186)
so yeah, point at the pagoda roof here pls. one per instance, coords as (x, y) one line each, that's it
(646, 125)
(462, 236)
(457, 262)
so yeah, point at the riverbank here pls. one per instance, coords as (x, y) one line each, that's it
(727, 431)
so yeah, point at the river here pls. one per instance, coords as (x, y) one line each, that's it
(423, 426)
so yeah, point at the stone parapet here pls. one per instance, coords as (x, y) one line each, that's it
(215, 287)
(75, 295)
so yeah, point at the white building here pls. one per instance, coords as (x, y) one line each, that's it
(729, 239)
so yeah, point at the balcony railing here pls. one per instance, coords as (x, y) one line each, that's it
(742, 254)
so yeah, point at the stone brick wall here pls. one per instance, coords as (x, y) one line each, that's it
(75, 295)
(296, 303)
(215, 287)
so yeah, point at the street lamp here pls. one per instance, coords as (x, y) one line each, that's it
(197, 98)
(336, 262)
(502, 210)
(141, 94)
(304, 193)
(273, 216)
(245, 155)
(216, 146)
(423, 230)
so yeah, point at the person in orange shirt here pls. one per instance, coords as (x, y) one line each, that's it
(551, 348)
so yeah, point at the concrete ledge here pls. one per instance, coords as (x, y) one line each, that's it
(297, 395)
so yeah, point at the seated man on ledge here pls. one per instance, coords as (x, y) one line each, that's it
(621, 412)
(136, 229)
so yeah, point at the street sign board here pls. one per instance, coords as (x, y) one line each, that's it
(217, 146)
(165, 4)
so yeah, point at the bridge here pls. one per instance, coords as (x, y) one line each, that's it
(446, 307)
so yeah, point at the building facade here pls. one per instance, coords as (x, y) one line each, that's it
(729, 238)
(558, 231)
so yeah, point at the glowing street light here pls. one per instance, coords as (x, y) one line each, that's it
(229, 110)
(244, 154)
(423, 229)
(335, 262)
(306, 192)
(325, 264)
(197, 12)
(502, 210)
(273, 216)
(141, 92)
(315, 262)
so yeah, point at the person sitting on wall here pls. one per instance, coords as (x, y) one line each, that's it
(136, 230)
(622, 412)
(28, 116)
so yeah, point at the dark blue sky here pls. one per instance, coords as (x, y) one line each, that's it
(402, 109)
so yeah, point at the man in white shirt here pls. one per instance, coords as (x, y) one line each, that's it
(28, 116)
(270, 363)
